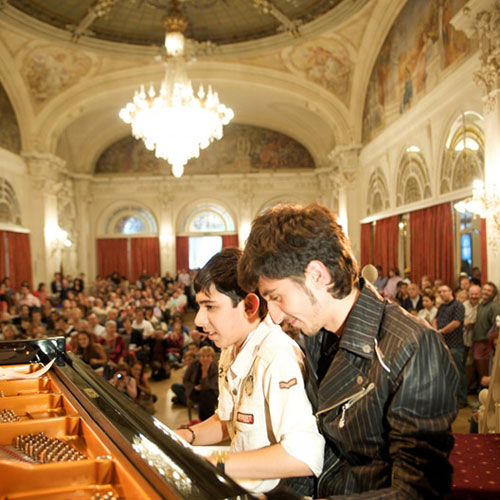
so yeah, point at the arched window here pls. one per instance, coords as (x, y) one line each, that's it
(9, 206)
(413, 182)
(378, 193)
(206, 225)
(463, 156)
(131, 220)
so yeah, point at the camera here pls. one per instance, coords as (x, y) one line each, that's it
(119, 376)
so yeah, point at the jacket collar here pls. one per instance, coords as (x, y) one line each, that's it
(363, 323)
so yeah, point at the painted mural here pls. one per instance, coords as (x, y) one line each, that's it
(10, 136)
(325, 62)
(242, 149)
(50, 70)
(420, 50)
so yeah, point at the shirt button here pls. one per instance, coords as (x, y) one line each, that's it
(359, 380)
(235, 392)
(366, 348)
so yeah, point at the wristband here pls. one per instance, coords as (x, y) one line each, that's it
(193, 435)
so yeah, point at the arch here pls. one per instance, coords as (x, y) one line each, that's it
(413, 181)
(463, 154)
(206, 217)
(9, 205)
(129, 219)
(378, 192)
(277, 200)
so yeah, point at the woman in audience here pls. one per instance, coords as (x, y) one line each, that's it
(174, 344)
(145, 396)
(9, 332)
(89, 351)
(429, 311)
(201, 382)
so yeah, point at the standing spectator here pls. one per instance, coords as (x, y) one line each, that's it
(391, 287)
(414, 299)
(429, 311)
(486, 313)
(449, 323)
(470, 306)
(381, 280)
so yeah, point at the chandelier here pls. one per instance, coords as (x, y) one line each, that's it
(484, 202)
(174, 122)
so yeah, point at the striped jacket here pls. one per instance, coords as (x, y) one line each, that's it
(385, 405)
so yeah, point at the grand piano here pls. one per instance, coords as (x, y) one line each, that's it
(69, 434)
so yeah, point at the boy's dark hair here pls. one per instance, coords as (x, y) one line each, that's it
(221, 271)
(285, 238)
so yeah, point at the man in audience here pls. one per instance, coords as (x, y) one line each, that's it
(470, 307)
(262, 406)
(449, 323)
(381, 280)
(27, 298)
(142, 325)
(486, 313)
(97, 329)
(414, 299)
(382, 384)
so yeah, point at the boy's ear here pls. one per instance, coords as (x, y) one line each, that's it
(251, 303)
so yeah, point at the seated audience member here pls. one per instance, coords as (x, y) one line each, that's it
(125, 383)
(260, 385)
(414, 299)
(9, 332)
(199, 339)
(97, 329)
(41, 293)
(174, 342)
(89, 351)
(154, 320)
(113, 346)
(429, 310)
(143, 325)
(200, 383)
(160, 369)
(27, 298)
(145, 397)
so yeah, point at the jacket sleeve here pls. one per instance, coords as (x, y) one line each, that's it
(211, 382)
(189, 377)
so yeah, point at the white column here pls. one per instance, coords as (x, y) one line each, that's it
(83, 200)
(45, 174)
(167, 230)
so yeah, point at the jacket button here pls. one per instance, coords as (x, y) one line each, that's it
(366, 348)
(359, 380)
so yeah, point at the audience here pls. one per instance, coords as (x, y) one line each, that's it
(111, 325)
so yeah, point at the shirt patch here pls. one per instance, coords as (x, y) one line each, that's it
(290, 383)
(245, 418)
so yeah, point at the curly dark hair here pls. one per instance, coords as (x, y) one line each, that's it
(221, 271)
(285, 238)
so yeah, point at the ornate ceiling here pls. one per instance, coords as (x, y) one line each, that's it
(140, 22)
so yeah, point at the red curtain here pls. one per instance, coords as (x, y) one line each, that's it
(230, 240)
(432, 244)
(144, 255)
(386, 243)
(366, 244)
(182, 252)
(3, 268)
(19, 259)
(112, 255)
(484, 252)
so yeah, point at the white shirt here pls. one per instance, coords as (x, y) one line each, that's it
(428, 315)
(263, 401)
(146, 327)
(99, 330)
(470, 317)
